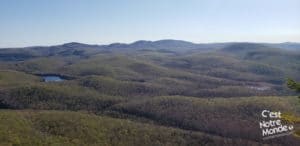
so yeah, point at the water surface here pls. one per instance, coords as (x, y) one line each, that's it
(52, 78)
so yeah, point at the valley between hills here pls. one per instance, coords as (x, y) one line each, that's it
(166, 92)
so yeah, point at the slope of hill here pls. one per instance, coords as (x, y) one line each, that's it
(193, 88)
(70, 128)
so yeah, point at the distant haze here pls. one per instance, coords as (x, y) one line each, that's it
(50, 22)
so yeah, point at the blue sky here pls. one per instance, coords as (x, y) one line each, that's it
(49, 22)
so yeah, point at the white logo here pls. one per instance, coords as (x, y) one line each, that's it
(272, 126)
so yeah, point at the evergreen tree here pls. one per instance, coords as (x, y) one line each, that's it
(293, 85)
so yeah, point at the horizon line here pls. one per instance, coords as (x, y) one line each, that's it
(132, 42)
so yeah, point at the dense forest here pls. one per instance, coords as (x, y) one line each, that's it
(166, 92)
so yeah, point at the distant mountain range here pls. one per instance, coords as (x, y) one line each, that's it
(170, 44)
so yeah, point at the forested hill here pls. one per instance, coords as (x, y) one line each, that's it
(200, 70)
(166, 92)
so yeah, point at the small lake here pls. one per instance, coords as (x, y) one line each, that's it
(260, 88)
(52, 78)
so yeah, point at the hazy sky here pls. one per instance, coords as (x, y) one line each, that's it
(48, 22)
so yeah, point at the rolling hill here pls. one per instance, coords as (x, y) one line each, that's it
(166, 92)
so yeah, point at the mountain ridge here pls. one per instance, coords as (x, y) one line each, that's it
(169, 42)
